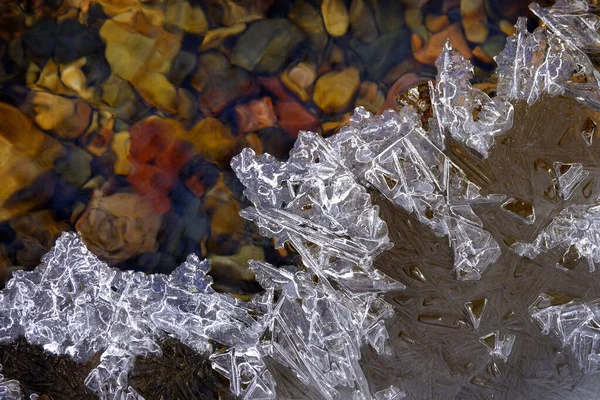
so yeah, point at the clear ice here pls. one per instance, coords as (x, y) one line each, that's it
(575, 324)
(10, 389)
(315, 319)
(393, 153)
(577, 226)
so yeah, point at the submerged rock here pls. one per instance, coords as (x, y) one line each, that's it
(334, 91)
(266, 45)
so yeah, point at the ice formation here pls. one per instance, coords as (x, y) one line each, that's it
(552, 59)
(577, 226)
(498, 348)
(576, 324)
(10, 389)
(568, 177)
(470, 115)
(394, 154)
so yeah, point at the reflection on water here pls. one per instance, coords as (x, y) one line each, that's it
(119, 117)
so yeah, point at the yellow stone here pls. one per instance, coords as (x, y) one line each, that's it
(120, 145)
(435, 23)
(335, 17)
(157, 90)
(215, 37)
(334, 91)
(213, 140)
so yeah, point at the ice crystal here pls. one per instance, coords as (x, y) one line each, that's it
(75, 304)
(498, 348)
(470, 115)
(10, 389)
(544, 62)
(577, 226)
(393, 153)
(576, 324)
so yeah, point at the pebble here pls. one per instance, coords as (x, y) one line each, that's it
(388, 50)
(293, 117)
(75, 167)
(294, 87)
(49, 79)
(119, 226)
(66, 118)
(215, 38)
(370, 97)
(185, 17)
(156, 89)
(507, 28)
(73, 78)
(308, 19)
(219, 83)
(266, 45)
(474, 20)
(275, 141)
(334, 91)
(303, 74)
(120, 146)
(26, 154)
(430, 51)
(213, 141)
(255, 115)
(362, 21)
(335, 16)
(435, 23)
(388, 15)
(231, 12)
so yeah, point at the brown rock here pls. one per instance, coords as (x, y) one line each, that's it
(156, 89)
(294, 87)
(429, 53)
(119, 226)
(219, 83)
(507, 28)
(26, 154)
(334, 91)
(73, 78)
(406, 81)
(213, 141)
(65, 117)
(303, 74)
(335, 17)
(231, 12)
(310, 21)
(362, 21)
(474, 20)
(50, 79)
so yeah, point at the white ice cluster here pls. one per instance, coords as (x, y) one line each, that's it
(576, 225)
(469, 114)
(10, 389)
(394, 154)
(553, 58)
(576, 324)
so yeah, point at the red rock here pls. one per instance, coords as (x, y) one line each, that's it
(274, 85)
(255, 115)
(293, 117)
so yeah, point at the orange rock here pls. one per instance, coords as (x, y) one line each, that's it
(293, 117)
(480, 55)
(119, 226)
(507, 28)
(303, 74)
(429, 53)
(213, 141)
(255, 115)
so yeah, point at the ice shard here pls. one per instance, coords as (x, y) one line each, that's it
(395, 155)
(575, 324)
(549, 60)
(577, 226)
(470, 115)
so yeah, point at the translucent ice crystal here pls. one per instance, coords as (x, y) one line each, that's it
(546, 62)
(498, 348)
(313, 202)
(471, 116)
(394, 154)
(75, 304)
(577, 226)
(10, 389)
(576, 324)
(568, 177)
